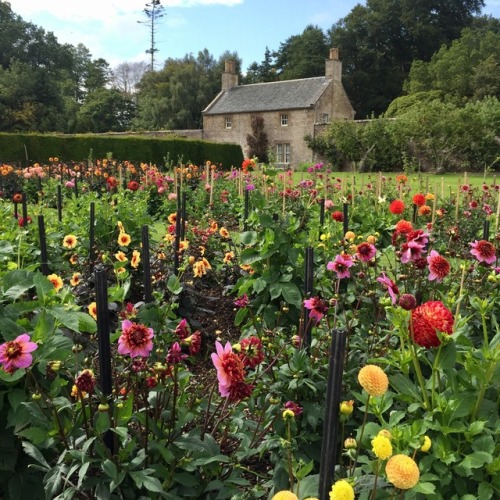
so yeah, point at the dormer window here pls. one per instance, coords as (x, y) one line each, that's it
(284, 119)
(228, 122)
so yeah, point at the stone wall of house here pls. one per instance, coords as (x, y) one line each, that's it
(300, 123)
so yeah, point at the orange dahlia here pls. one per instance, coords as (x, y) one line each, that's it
(427, 320)
(373, 380)
(402, 472)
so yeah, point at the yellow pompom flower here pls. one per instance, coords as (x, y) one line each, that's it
(285, 495)
(426, 445)
(381, 447)
(342, 490)
(402, 472)
(373, 380)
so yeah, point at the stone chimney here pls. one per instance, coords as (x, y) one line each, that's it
(333, 66)
(229, 76)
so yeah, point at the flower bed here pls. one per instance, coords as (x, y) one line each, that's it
(222, 291)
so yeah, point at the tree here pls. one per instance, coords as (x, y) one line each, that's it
(154, 12)
(258, 141)
(300, 56)
(174, 97)
(127, 75)
(379, 41)
(105, 110)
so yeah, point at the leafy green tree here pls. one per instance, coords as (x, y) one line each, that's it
(469, 68)
(105, 110)
(300, 56)
(379, 41)
(174, 97)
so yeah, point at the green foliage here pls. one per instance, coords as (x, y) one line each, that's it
(134, 149)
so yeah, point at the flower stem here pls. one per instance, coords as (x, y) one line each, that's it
(361, 435)
(418, 370)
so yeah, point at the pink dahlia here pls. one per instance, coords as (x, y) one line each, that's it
(391, 287)
(439, 267)
(317, 308)
(230, 370)
(341, 265)
(484, 251)
(135, 340)
(16, 353)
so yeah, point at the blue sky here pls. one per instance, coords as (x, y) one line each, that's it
(110, 28)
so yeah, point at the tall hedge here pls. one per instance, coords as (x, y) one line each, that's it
(31, 148)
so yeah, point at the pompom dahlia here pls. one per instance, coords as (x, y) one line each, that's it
(373, 380)
(402, 472)
(427, 320)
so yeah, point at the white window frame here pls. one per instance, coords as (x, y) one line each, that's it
(283, 152)
(284, 119)
(228, 122)
(326, 118)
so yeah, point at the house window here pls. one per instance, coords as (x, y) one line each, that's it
(326, 118)
(228, 122)
(284, 119)
(283, 153)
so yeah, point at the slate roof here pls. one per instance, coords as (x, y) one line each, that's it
(272, 96)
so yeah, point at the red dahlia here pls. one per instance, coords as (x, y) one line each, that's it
(427, 320)
(419, 199)
(397, 207)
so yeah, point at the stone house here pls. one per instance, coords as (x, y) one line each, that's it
(291, 110)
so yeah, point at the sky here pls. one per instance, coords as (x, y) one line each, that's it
(112, 29)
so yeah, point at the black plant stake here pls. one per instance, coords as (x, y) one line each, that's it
(16, 211)
(414, 219)
(321, 213)
(308, 288)
(245, 213)
(329, 446)
(177, 240)
(25, 211)
(92, 234)
(346, 218)
(183, 216)
(486, 230)
(76, 186)
(43, 246)
(146, 264)
(105, 376)
(59, 203)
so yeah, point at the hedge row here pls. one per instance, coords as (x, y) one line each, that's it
(31, 148)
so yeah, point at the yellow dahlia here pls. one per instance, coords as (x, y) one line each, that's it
(373, 380)
(402, 472)
(381, 447)
(342, 490)
(426, 445)
(285, 495)
(70, 241)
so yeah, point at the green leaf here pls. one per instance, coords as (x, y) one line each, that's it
(424, 488)
(125, 411)
(309, 486)
(16, 283)
(174, 285)
(240, 316)
(110, 469)
(9, 329)
(16, 397)
(447, 357)
(275, 290)
(485, 491)
(484, 443)
(291, 294)
(67, 318)
(248, 238)
(223, 459)
(35, 453)
(404, 386)
(35, 435)
(476, 427)
(259, 285)
(86, 323)
(143, 480)
(476, 459)
(43, 285)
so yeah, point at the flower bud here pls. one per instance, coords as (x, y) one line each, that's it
(350, 444)
(103, 407)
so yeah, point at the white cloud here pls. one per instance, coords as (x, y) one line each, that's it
(77, 10)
